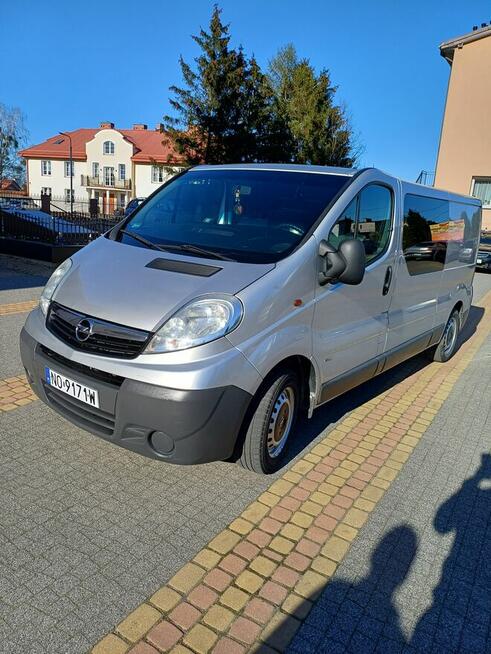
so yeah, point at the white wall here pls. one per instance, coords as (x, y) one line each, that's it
(123, 151)
(143, 180)
(57, 180)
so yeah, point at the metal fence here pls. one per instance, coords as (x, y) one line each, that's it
(32, 225)
(59, 205)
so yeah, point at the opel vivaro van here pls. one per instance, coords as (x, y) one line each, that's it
(238, 295)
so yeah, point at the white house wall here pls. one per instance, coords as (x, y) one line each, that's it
(57, 180)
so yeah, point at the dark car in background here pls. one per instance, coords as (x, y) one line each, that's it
(483, 261)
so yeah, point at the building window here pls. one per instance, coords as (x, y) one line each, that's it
(46, 190)
(95, 169)
(157, 174)
(368, 217)
(482, 190)
(68, 168)
(69, 194)
(45, 167)
(122, 171)
(108, 176)
(108, 147)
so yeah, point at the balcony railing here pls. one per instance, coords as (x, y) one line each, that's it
(106, 182)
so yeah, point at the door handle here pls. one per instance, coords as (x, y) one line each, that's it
(387, 281)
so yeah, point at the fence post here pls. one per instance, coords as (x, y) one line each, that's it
(93, 207)
(46, 203)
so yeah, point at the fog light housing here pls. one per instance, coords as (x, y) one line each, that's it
(162, 443)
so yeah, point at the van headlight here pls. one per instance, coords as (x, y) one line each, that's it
(52, 285)
(198, 322)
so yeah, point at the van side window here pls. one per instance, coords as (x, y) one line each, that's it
(368, 217)
(438, 234)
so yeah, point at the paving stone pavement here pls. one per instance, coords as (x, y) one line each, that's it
(88, 531)
(418, 578)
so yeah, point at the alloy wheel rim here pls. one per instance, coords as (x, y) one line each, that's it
(450, 336)
(280, 421)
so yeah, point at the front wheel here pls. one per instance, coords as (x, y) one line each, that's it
(272, 422)
(448, 343)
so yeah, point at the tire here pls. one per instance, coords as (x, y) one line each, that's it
(272, 422)
(447, 346)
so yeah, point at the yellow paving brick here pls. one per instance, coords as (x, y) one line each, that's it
(302, 467)
(292, 477)
(165, 599)
(381, 483)
(297, 606)
(349, 465)
(357, 458)
(301, 519)
(111, 644)
(270, 499)
(8, 407)
(394, 465)
(180, 649)
(320, 498)
(249, 581)
(207, 559)
(387, 473)
(225, 541)
(328, 489)
(281, 487)
(343, 472)
(400, 457)
(312, 508)
(234, 598)
(241, 526)
(335, 548)
(187, 577)
(200, 639)
(346, 531)
(218, 617)
(323, 566)
(138, 622)
(255, 512)
(372, 493)
(313, 458)
(263, 566)
(281, 545)
(321, 450)
(364, 505)
(355, 518)
(335, 480)
(293, 532)
(310, 584)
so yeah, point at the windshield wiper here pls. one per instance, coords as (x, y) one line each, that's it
(142, 239)
(187, 247)
(180, 247)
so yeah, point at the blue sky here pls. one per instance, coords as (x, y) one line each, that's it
(74, 64)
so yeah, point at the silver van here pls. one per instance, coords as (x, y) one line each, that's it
(237, 296)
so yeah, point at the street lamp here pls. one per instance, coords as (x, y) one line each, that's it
(71, 171)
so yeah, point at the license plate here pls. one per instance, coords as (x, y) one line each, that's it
(71, 387)
(479, 261)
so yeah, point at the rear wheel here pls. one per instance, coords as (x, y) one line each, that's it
(273, 420)
(448, 343)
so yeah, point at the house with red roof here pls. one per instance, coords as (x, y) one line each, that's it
(109, 164)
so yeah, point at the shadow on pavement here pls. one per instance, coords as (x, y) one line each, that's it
(18, 273)
(330, 413)
(361, 617)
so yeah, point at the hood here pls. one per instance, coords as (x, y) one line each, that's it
(111, 281)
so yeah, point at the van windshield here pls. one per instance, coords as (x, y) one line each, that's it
(254, 216)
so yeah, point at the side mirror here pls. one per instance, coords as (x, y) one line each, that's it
(346, 264)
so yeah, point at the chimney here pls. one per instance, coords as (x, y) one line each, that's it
(159, 127)
(139, 126)
(107, 125)
(474, 28)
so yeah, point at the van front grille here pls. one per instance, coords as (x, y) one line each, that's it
(93, 373)
(96, 336)
(81, 414)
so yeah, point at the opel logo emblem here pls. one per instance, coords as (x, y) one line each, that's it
(84, 329)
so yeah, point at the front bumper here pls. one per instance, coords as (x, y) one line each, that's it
(178, 426)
